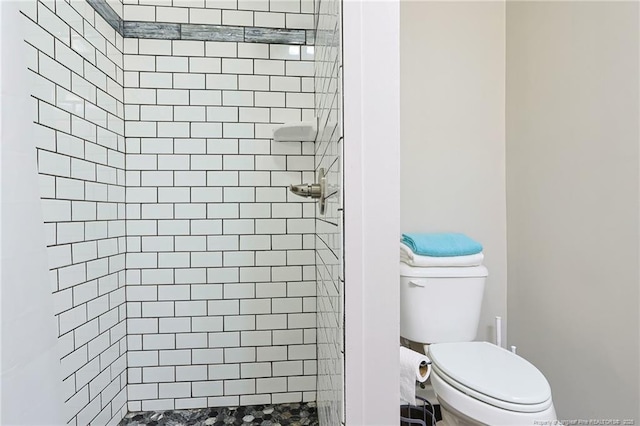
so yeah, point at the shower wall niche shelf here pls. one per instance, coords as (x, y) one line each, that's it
(299, 131)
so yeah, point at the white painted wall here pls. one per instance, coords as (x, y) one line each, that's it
(452, 130)
(573, 204)
(29, 378)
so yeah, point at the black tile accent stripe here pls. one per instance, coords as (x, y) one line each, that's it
(108, 14)
(155, 30)
(212, 32)
(311, 37)
(200, 32)
(274, 35)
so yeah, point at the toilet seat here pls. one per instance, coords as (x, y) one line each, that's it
(520, 408)
(472, 411)
(492, 375)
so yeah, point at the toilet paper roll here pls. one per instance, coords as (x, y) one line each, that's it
(414, 367)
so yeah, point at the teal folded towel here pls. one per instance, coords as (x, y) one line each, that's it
(441, 244)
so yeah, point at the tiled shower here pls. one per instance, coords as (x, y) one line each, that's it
(184, 273)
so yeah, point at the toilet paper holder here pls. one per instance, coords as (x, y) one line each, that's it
(424, 367)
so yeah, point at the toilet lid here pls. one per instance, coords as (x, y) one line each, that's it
(491, 371)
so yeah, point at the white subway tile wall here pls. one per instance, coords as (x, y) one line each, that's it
(329, 254)
(183, 271)
(221, 292)
(78, 95)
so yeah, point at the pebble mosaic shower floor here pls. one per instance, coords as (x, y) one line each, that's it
(258, 415)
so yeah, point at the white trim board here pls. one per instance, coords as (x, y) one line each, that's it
(372, 210)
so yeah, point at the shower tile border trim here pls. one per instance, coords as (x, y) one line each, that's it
(105, 10)
(200, 32)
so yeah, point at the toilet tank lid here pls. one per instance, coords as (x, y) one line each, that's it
(443, 272)
(492, 371)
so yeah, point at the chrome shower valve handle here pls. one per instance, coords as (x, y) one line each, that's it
(313, 190)
(306, 190)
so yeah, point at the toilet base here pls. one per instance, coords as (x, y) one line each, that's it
(451, 417)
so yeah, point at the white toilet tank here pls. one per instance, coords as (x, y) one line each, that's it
(439, 304)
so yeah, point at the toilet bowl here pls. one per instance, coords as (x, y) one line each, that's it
(478, 383)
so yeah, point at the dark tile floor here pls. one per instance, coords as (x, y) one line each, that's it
(258, 415)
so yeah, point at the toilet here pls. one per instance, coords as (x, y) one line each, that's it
(476, 383)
